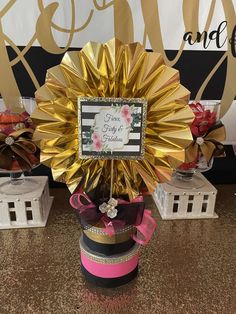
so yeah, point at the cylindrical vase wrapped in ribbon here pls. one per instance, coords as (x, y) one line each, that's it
(111, 271)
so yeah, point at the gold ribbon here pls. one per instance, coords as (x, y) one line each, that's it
(209, 145)
(96, 234)
(17, 146)
(121, 70)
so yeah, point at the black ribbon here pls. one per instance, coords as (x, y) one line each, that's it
(108, 249)
(131, 214)
(109, 282)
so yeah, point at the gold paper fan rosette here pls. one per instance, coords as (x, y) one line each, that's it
(113, 69)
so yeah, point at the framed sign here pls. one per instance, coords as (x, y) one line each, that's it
(111, 128)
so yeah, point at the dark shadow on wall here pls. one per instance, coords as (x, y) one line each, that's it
(224, 168)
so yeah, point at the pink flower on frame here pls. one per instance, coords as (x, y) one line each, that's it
(204, 120)
(97, 145)
(95, 137)
(129, 120)
(97, 142)
(126, 114)
(125, 111)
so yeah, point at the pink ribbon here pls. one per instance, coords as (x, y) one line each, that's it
(111, 225)
(110, 270)
(145, 229)
(75, 201)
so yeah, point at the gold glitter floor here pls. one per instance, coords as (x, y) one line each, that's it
(189, 267)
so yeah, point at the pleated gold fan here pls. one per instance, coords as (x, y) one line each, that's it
(113, 69)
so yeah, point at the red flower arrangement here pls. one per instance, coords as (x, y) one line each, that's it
(21, 153)
(10, 122)
(204, 120)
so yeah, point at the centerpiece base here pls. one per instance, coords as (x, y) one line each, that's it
(26, 210)
(184, 203)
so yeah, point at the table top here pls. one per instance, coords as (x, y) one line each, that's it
(189, 266)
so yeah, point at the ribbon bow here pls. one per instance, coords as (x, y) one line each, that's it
(145, 228)
(109, 208)
(209, 144)
(17, 146)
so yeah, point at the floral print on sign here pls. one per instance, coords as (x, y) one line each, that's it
(129, 115)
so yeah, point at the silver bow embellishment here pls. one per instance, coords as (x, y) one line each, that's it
(109, 208)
